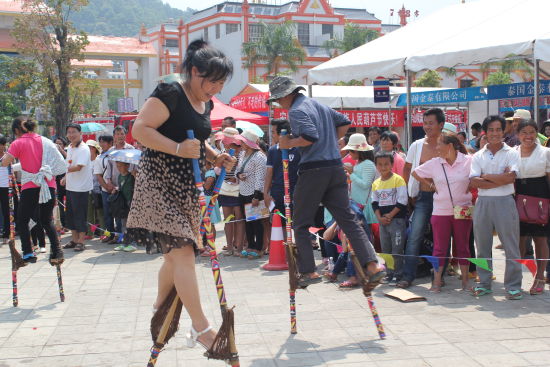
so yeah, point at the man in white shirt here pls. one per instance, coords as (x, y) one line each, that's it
(79, 183)
(111, 173)
(494, 169)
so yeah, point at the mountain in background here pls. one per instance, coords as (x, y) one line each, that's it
(124, 18)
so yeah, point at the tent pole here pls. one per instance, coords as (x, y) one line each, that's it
(536, 91)
(408, 122)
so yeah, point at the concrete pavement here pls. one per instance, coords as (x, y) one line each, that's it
(105, 319)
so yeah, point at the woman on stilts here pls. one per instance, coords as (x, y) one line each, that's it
(165, 208)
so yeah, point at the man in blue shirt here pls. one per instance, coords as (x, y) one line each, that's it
(316, 129)
(274, 188)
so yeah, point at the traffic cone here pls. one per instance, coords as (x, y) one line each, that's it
(277, 256)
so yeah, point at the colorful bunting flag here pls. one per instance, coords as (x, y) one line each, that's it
(93, 227)
(314, 229)
(482, 263)
(530, 264)
(433, 260)
(229, 217)
(107, 233)
(388, 258)
(120, 237)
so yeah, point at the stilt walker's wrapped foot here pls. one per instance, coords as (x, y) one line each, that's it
(373, 281)
(16, 258)
(223, 348)
(56, 258)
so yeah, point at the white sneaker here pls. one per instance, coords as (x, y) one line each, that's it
(119, 248)
(42, 250)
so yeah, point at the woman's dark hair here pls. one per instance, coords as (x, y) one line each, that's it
(489, 119)
(281, 124)
(525, 123)
(3, 140)
(438, 113)
(453, 139)
(211, 63)
(23, 124)
(364, 155)
(388, 135)
(63, 140)
(462, 133)
(380, 155)
(375, 129)
(106, 138)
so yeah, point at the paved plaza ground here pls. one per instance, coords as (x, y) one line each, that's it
(105, 319)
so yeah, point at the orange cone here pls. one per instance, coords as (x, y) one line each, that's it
(277, 256)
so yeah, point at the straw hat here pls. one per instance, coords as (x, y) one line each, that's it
(250, 138)
(522, 114)
(359, 143)
(95, 144)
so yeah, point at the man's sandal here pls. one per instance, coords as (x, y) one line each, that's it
(374, 281)
(70, 244)
(537, 288)
(514, 295)
(480, 291)
(348, 284)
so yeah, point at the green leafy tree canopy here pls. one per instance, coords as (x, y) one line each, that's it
(277, 47)
(430, 78)
(354, 36)
(498, 77)
(46, 36)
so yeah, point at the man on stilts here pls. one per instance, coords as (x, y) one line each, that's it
(316, 129)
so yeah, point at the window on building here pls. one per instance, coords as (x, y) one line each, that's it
(174, 67)
(171, 43)
(217, 31)
(205, 36)
(328, 29)
(303, 33)
(231, 28)
(466, 83)
(254, 32)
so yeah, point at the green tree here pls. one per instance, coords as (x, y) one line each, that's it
(113, 95)
(496, 78)
(430, 78)
(354, 36)
(16, 76)
(87, 96)
(512, 64)
(277, 47)
(124, 18)
(46, 35)
(351, 82)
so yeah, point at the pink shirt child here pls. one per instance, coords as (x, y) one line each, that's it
(28, 149)
(458, 175)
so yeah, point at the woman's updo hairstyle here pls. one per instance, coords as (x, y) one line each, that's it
(211, 63)
(24, 125)
(449, 138)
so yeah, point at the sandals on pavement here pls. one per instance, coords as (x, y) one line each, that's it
(348, 284)
(79, 247)
(253, 255)
(514, 295)
(305, 281)
(70, 244)
(480, 291)
(537, 288)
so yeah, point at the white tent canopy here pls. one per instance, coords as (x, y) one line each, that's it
(461, 34)
(337, 97)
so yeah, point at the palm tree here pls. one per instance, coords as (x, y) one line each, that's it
(509, 66)
(277, 47)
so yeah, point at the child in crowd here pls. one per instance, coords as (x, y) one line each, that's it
(333, 236)
(126, 187)
(389, 201)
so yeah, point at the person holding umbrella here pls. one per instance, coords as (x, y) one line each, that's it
(165, 207)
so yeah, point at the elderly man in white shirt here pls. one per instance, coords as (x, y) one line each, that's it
(494, 169)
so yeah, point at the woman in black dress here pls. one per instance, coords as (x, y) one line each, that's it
(165, 209)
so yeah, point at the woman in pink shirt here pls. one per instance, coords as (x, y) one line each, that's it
(449, 173)
(38, 184)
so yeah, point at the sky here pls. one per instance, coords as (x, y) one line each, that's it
(380, 8)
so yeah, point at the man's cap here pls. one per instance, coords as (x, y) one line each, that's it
(282, 86)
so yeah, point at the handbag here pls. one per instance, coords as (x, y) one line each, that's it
(532, 209)
(459, 211)
(229, 189)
